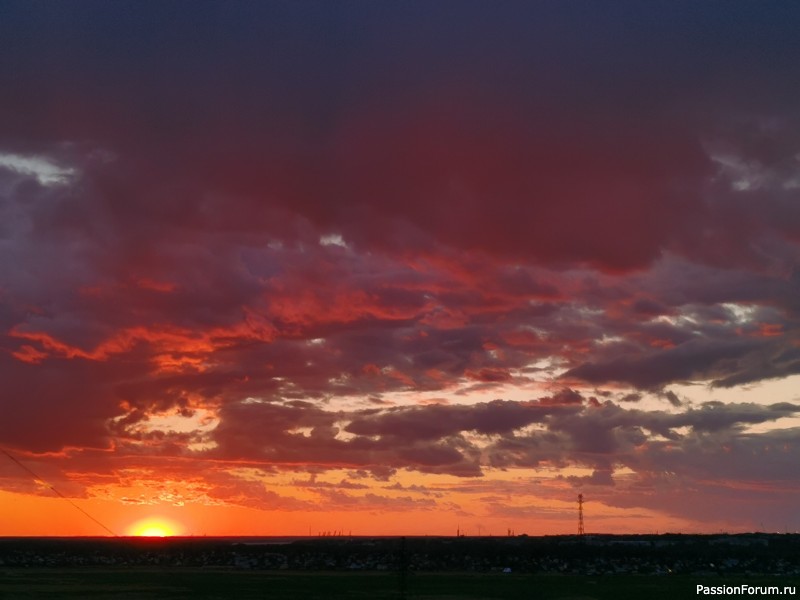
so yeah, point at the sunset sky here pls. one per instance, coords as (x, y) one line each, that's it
(272, 268)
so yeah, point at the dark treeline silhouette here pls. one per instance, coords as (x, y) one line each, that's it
(591, 554)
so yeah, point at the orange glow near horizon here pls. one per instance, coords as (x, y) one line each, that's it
(48, 516)
(154, 527)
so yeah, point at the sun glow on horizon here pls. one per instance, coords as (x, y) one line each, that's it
(154, 527)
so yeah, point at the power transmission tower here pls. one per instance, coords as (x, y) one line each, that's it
(580, 515)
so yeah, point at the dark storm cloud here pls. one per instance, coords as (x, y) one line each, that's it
(273, 434)
(304, 435)
(432, 422)
(724, 362)
(733, 456)
(482, 129)
(434, 438)
(606, 435)
(46, 411)
(691, 360)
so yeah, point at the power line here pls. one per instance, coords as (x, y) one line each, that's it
(54, 490)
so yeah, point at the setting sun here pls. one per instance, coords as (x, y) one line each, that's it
(154, 527)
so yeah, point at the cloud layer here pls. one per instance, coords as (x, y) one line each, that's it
(328, 239)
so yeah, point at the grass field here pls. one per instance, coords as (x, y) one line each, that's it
(207, 584)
